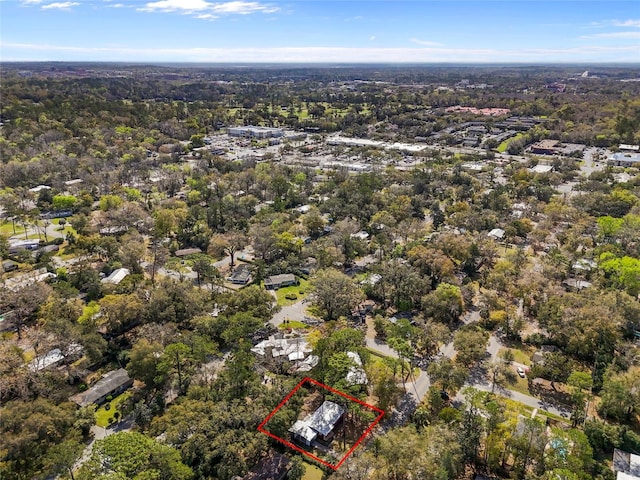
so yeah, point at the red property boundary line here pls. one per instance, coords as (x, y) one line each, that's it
(304, 452)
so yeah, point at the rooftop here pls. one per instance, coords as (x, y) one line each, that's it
(626, 157)
(280, 279)
(322, 421)
(108, 383)
(290, 347)
(116, 276)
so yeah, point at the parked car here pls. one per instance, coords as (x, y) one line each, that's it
(520, 371)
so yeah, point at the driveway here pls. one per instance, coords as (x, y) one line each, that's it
(296, 311)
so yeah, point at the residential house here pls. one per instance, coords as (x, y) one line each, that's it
(275, 282)
(496, 234)
(55, 357)
(187, 251)
(292, 349)
(116, 276)
(356, 374)
(575, 284)
(361, 235)
(241, 275)
(9, 266)
(113, 383)
(319, 426)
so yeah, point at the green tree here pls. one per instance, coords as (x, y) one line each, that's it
(145, 362)
(135, 456)
(64, 202)
(444, 304)
(621, 394)
(470, 345)
(228, 243)
(580, 383)
(449, 376)
(335, 294)
(62, 457)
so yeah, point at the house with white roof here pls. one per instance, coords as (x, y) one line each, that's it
(356, 374)
(116, 276)
(319, 426)
(292, 349)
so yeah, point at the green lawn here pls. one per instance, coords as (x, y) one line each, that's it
(504, 145)
(67, 228)
(293, 324)
(311, 472)
(519, 356)
(301, 292)
(103, 416)
(7, 229)
(522, 386)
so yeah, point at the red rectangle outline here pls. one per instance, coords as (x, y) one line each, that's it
(304, 452)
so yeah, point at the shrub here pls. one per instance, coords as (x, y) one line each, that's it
(109, 398)
(291, 296)
(107, 406)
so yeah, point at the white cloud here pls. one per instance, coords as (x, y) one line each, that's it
(243, 8)
(630, 34)
(59, 5)
(627, 23)
(372, 38)
(31, 2)
(177, 6)
(18, 52)
(116, 5)
(208, 10)
(425, 43)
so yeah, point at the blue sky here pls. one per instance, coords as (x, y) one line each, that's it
(320, 31)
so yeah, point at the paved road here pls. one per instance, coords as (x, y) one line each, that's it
(380, 347)
(520, 397)
(417, 388)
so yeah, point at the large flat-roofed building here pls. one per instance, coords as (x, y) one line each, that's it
(545, 147)
(625, 159)
(255, 132)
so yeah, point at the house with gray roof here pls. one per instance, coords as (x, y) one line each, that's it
(113, 383)
(275, 282)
